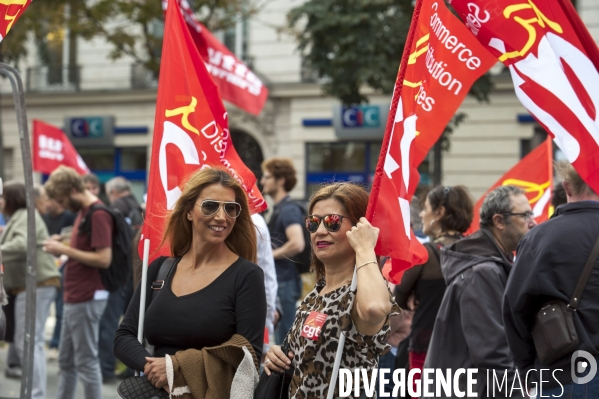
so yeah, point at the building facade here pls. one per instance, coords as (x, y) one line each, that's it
(325, 141)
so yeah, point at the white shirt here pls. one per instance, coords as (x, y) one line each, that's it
(267, 262)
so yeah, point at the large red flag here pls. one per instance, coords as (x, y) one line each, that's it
(52, 148)
(554, 65)
(10, 12)
(533, 174)
(235, 81)
(441, 61)
(190, 130)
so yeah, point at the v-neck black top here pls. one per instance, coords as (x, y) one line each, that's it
(234, 303)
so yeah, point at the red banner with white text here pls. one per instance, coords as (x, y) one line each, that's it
(440, 63)
(235, 81)
(10, 12)
(190, 131)
(554, 66)
(52, 148)
(534, 175)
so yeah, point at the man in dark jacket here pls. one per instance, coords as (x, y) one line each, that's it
(469, 330)
(550, 262)
(118, 191)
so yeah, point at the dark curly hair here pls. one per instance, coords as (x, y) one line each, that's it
(458, 207)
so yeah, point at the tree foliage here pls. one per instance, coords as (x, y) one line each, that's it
(132, 27)
(351, 44)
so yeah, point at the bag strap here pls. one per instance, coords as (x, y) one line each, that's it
(584, 278)
(165, 270)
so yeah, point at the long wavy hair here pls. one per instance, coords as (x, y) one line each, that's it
(354, 200)
(178, 232)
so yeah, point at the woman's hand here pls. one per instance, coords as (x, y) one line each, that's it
(363, 236)
(276, 360)
(155, 371)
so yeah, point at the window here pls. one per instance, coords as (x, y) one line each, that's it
(353, 161)
(8, 164)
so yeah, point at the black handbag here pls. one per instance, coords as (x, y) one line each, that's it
(140, 388)
(554, 333)
(275, 385)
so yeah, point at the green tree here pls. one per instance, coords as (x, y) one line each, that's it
(352, 44)
(133, 27)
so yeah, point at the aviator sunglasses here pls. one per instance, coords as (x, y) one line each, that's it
(332, 222)
(210, 207)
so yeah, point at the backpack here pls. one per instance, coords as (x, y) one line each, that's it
(135, 216)
(115, 276)
(303, 259)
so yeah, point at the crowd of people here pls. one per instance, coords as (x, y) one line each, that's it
(230, 298)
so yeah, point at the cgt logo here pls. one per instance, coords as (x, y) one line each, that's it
(361, 116)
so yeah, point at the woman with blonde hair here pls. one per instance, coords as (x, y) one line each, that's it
(342, 241)
(213, 290)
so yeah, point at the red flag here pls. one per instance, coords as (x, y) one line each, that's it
(440, 63)
(235, 81)
(52, 148)
(190, 130)
(533, 174)
(11, 11)
(553, 63)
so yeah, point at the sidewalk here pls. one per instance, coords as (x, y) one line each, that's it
(11, 388)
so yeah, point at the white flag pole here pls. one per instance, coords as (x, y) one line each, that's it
(339, 353)
(142, 294)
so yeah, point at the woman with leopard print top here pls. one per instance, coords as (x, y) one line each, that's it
(342, 239)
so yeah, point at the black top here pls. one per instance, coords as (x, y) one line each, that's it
(287, 214)
(234, 303)
(56, 223)
(428, 285)
(551, 258)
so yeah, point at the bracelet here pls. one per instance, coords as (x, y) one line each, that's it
(367, 263)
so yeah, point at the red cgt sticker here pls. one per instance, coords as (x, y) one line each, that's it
(313, 325)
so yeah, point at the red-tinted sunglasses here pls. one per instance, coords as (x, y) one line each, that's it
(332, 222)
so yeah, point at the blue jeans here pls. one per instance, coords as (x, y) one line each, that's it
(386, 362)
(289, 292)
(589, 390)
(78, 353)
(115, 308)
(58, 304)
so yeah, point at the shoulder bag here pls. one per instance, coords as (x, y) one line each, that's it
(554, 333)
(275, 385)
(139, 387)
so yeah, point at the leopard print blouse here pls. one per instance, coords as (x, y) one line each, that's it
(313, 359)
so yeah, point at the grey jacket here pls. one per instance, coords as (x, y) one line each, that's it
(14, 251)
(469, 329)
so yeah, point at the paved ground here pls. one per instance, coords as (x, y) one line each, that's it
(11, 388)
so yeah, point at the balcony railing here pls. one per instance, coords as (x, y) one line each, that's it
(89, 77)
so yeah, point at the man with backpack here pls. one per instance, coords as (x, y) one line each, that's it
(286, 228)
(85, 294)
(122, 201)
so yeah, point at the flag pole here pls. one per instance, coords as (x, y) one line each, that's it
(549, 144)
(142, 294)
